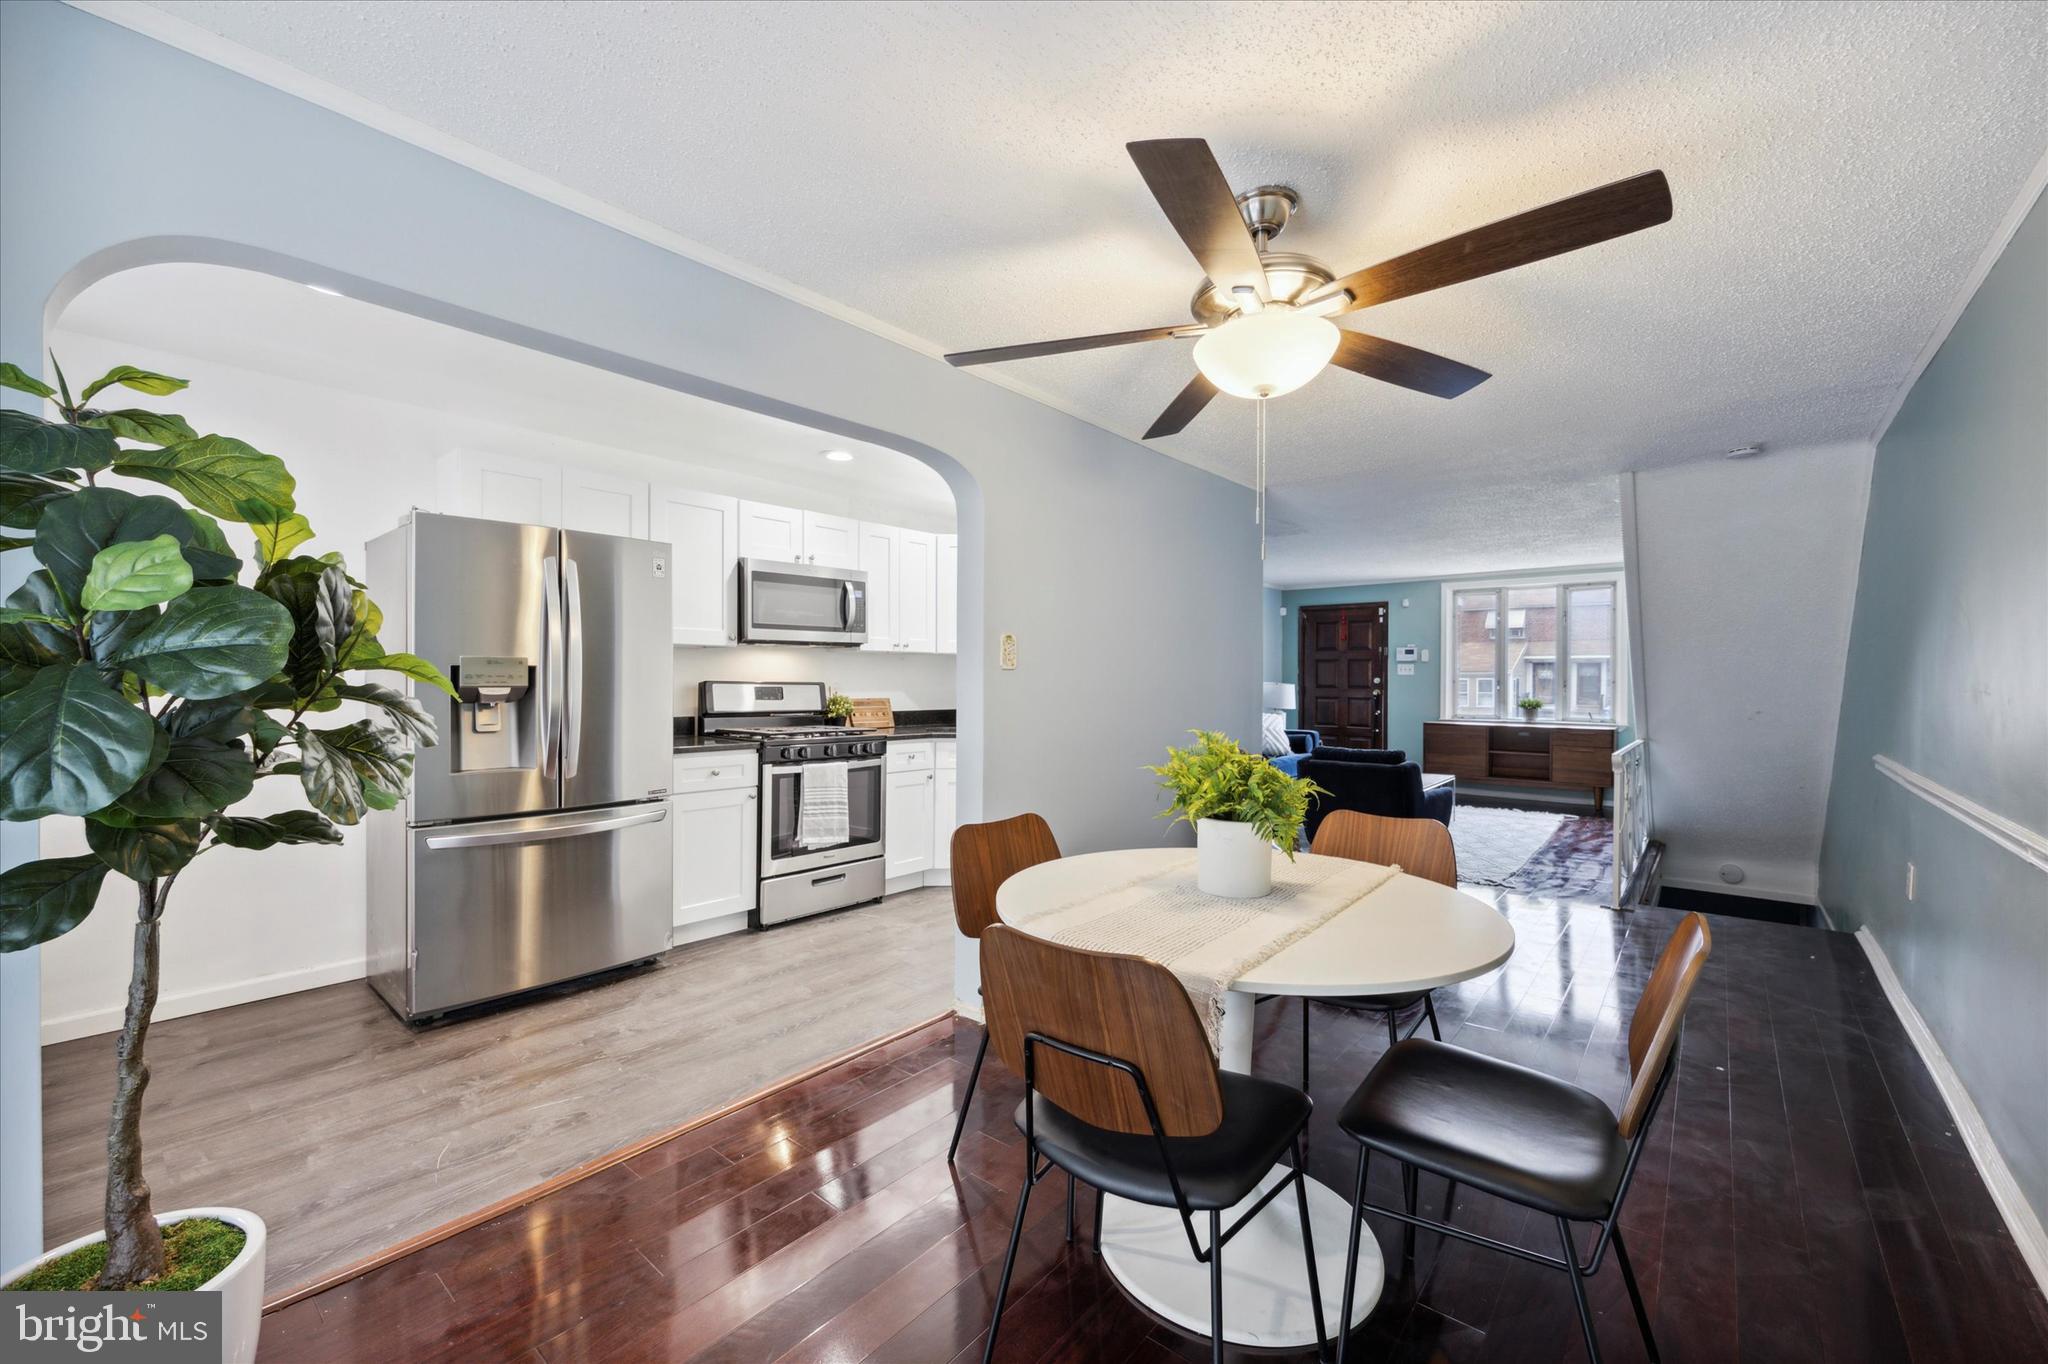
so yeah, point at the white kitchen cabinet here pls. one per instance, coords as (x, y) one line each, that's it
(703, 531)
(917, 578)
(717, 851)
(910, 794)
(948, 631)
(945, 813)
(771, 532)
(831, 541)
(501, 487)
(602, 504)
(880, 549)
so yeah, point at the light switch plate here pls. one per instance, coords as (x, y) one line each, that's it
(1404, 670)
(1007, 653)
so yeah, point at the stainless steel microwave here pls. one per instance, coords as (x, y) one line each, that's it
(802, 604)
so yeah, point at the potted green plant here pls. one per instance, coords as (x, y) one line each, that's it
(839, 707)
(1242, 807)
(1530, 705)
(149, 679)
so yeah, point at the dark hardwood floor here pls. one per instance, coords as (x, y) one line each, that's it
(1804, 1197)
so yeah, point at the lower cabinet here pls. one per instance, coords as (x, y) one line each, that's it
(907, 832)
(716, 813)
(945, 814)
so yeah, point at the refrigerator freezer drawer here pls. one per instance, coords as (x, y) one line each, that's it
(505, 905)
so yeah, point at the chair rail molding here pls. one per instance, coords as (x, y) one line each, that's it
(2020, 1218)
(2014, 837)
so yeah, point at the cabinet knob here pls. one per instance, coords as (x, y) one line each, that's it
(714, 771)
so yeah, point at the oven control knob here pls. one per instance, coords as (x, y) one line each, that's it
(788, 753)
(874, 748)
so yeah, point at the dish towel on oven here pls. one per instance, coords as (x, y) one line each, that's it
(1206, 940)
(821, 819)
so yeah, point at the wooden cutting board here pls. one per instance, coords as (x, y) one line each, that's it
(872, 712)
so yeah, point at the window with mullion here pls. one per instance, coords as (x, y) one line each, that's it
(1554, 643)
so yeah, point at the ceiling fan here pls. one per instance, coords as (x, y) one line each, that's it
(1263, 317)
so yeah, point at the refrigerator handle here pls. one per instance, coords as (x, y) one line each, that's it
(550, 660)
(572, 694)
(493, 838)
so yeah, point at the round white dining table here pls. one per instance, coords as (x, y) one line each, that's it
(1408, 934)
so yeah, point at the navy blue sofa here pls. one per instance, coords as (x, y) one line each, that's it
(1303, 742)
(1372, 781)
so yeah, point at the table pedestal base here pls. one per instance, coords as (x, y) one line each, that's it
(1265, 1275)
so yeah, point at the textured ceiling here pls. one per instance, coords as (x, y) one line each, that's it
(957, 173)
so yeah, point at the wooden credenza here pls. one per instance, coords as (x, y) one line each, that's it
(1579, 757)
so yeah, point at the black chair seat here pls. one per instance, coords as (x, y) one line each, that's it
(1260, 1120)
(1502, 1128)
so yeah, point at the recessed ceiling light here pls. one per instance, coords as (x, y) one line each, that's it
(839, 456)
(323, 289)
(1744, 452)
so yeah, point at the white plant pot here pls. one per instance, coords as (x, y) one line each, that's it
(1231, 860)
(240, 1285)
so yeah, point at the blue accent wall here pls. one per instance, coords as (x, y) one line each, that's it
(1948, 675)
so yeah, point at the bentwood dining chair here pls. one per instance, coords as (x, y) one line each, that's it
(985, 856)
(1420, 847)
(1122, 1093)
(1525, 1136)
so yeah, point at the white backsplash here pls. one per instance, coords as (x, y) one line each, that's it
(910, 681)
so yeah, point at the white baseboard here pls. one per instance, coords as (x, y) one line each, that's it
(90, 1022)
(710, 928)
(2020, 1218)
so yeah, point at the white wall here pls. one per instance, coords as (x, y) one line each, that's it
(1747, 573)
(361, 463)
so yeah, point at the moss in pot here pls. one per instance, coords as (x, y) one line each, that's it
(1242, 807)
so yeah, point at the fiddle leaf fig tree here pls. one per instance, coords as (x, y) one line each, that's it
(150, 679)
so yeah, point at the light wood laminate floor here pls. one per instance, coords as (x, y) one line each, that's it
(348, 1131)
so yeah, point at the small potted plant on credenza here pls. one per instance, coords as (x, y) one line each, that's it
(1242, 808)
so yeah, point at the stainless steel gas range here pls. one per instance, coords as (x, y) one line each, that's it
(804, 872)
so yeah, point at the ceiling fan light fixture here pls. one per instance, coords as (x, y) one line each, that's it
(1267, 353)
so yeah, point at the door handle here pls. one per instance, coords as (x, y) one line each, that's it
(493, 838)
(551, 661)
(828, 880)
(572, 697)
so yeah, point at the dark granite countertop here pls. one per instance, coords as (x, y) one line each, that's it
(909, 733)
(693, 743)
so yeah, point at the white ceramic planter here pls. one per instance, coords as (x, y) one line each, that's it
(240, 1285)
(1231, 860)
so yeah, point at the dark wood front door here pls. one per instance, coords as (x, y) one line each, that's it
(1343, 673)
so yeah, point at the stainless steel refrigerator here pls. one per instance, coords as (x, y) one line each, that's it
(534, 845)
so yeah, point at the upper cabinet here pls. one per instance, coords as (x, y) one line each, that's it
(881, 548)
(703, 531)
(539, 492)
(831, 541)
(917, 586)
(771, 532)
(949, 595)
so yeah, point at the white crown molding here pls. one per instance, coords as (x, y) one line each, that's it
(2036, 182)
(2020, 1218)
(1567, 573)
(2014, 837)
(186, 36)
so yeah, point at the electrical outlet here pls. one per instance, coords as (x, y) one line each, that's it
(1912, 881)
(1007, 651)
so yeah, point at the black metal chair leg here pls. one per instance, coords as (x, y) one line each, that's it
(1411, 1181)
(1393, 1026)
(1215, 1288)
(973, 1077)
(1571, 1269)
(1070, 1207)
(1304, 1042)
(1351, 1256)
(1429, 1008)
(1635, 1296)
(988, 1351)
(1100, 1199)
(1308, 1249)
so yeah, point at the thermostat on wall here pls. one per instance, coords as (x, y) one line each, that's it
(1404, 654)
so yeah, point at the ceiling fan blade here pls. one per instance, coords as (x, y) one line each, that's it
(1026, 352)
(1183, 176)
(1598, 215)
(1183, 409)
(1393, 363)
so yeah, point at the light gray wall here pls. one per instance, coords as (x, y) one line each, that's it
(120, 151)
(1948, 655)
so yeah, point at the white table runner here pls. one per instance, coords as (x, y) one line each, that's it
(1208, 941)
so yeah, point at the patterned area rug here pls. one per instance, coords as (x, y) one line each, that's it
(1576, 864)
(1493, 844)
